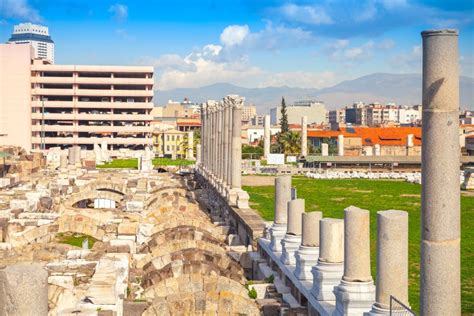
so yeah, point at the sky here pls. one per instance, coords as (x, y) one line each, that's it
(250, 43)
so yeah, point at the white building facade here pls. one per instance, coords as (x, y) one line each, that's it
(36, 35)
(314, 110)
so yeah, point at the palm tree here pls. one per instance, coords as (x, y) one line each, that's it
(290, 142)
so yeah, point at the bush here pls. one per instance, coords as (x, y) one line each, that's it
(253, 293)
(270, 279)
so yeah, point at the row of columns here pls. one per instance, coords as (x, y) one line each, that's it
(220, 153)
(335, 253)
(267, 136)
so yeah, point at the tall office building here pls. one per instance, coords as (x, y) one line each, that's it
(37, 36)
(63, 105)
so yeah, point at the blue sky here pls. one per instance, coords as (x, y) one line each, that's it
(249, 43)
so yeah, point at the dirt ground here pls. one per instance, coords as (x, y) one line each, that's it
(257, 181)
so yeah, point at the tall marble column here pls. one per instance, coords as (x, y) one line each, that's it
(304, 136)
(356, 292)
(330, 268)
(282, 197)
(190, 153)
(392, 260)
(219, 145)
(202, 157)
(324, 149)
(229, 139)
(226, 147)
(292, 239)
(198, 154)
(266, 136)
(340, 145)
(237, 196)
(440, 292)
(308, 252)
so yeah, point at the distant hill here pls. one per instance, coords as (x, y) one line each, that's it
(381, 87)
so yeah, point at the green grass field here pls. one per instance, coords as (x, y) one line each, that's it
(75, 239)
(332, 196)
(133, 163)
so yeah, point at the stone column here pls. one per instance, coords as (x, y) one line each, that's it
(304, 136)
(292, 239)
(324, 149)
(392, 260)
(266, 136)
(377, 150)
(330, 268)
(356, 292)
(63, 161)
(282, 197)
(77, 155)
(226, 148)
(219, 145)
(198, 154)
(71, 156)
(308, 252)
(340, 145)
(201, 160)
(237, 196)
(229, 148)
(24, 290)
(190, 154)
(440, 292)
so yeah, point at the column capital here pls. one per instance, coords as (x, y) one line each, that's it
(235, 101)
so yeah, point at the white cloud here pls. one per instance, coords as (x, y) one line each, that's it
(119, 11)
(234, 35)
(19, 9)
(341, 50)
(394, 4)
(368, 12)
(314, 15)
(408, 61)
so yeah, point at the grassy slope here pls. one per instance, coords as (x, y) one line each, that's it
(133, 163)
(332, 196)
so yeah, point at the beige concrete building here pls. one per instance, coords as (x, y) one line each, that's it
(63, 105)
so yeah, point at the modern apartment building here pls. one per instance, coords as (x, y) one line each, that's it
(315, 111)
(49, 105)
(36, 35)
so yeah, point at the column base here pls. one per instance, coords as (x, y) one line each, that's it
(277, 233)
(325, 277)
(289, 245)
(306, 258)
(239, 198)
(354, 298)
(377, 310)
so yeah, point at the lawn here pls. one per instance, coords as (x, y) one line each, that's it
(74, 239)
(332, 196)
(133, 163)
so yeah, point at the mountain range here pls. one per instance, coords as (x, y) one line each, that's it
(382, 87)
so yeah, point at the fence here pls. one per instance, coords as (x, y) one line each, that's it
(397, 308)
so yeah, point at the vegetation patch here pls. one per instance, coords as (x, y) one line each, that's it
(332, 196)
(74, 239)
(133, 163)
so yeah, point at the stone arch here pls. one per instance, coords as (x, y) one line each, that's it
(183, 232)
(226, 266)
(180, 267)
(94, 194)
(177, 245)
(78, 223)
(194, 282)
(196, 294)
(166, 195)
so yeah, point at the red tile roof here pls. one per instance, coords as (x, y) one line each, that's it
(384, 136)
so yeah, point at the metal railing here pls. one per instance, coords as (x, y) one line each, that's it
(397, 308)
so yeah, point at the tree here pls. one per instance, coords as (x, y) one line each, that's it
(284, 117)
(290, 142)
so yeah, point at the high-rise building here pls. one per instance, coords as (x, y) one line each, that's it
(62, 105)
(314, 110)
(37, 36)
